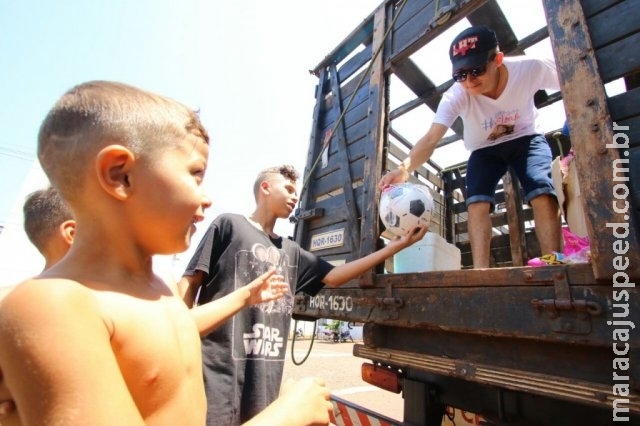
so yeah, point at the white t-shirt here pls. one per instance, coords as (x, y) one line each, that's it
(489, 121)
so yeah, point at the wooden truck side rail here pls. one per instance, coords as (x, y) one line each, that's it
(518, 345)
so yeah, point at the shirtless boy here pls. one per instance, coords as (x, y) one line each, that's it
(49, 225)
(98, 338)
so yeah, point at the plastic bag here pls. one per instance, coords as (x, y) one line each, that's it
(576, 249)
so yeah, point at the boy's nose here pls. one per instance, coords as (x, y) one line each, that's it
(206, 202)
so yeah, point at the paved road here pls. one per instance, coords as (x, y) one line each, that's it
(335, 363)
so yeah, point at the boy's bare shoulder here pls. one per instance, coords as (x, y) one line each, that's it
(42, 301)
(44, 287)
(4, 290)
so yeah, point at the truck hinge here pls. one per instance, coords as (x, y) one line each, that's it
(306, 214)
(387, 308)
(299, 307)
(442, 15)
(565, 314)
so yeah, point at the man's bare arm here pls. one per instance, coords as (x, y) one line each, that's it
(420, 153)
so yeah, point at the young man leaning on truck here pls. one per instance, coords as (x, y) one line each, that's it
(244, 358)
(494, 97)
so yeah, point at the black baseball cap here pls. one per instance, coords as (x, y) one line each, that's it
(472, 48)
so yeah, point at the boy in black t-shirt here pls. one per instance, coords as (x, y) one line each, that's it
(244, 357)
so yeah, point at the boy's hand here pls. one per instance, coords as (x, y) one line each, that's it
(412, 236)
(303, 402)
(310, 397)
(7, 406)
(267, 287)
(392, 177)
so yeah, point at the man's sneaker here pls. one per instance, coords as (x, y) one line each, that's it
(553, 258)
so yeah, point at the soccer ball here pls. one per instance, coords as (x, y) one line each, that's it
(405, 206)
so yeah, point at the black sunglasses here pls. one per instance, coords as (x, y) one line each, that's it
(461, 75)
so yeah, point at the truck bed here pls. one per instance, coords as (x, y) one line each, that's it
(516, 344)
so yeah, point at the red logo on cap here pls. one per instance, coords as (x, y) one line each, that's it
(464, 45)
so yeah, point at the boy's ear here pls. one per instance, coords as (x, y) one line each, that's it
(113, 165)
(68, 230)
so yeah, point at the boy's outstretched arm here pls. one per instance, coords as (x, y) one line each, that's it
(265, 288)
(188, 287)
(348, 271)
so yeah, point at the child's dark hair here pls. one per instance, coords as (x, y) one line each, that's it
(44, 210)
(286, 170)
(96, 113)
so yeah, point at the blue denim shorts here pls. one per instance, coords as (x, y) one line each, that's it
(529, 157)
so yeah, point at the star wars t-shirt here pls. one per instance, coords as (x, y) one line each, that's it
(243, 359)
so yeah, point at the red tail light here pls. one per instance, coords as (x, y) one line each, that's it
(382, 377)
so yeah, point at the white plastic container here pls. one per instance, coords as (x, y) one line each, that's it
(432, 253)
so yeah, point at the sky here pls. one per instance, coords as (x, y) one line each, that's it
(243, 65)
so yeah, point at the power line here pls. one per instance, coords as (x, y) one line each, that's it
(16, 153)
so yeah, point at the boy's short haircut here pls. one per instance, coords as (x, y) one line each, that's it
(286, 170)
(44, 210)
(95, 114)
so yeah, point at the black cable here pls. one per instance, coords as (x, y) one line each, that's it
(293, 343)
